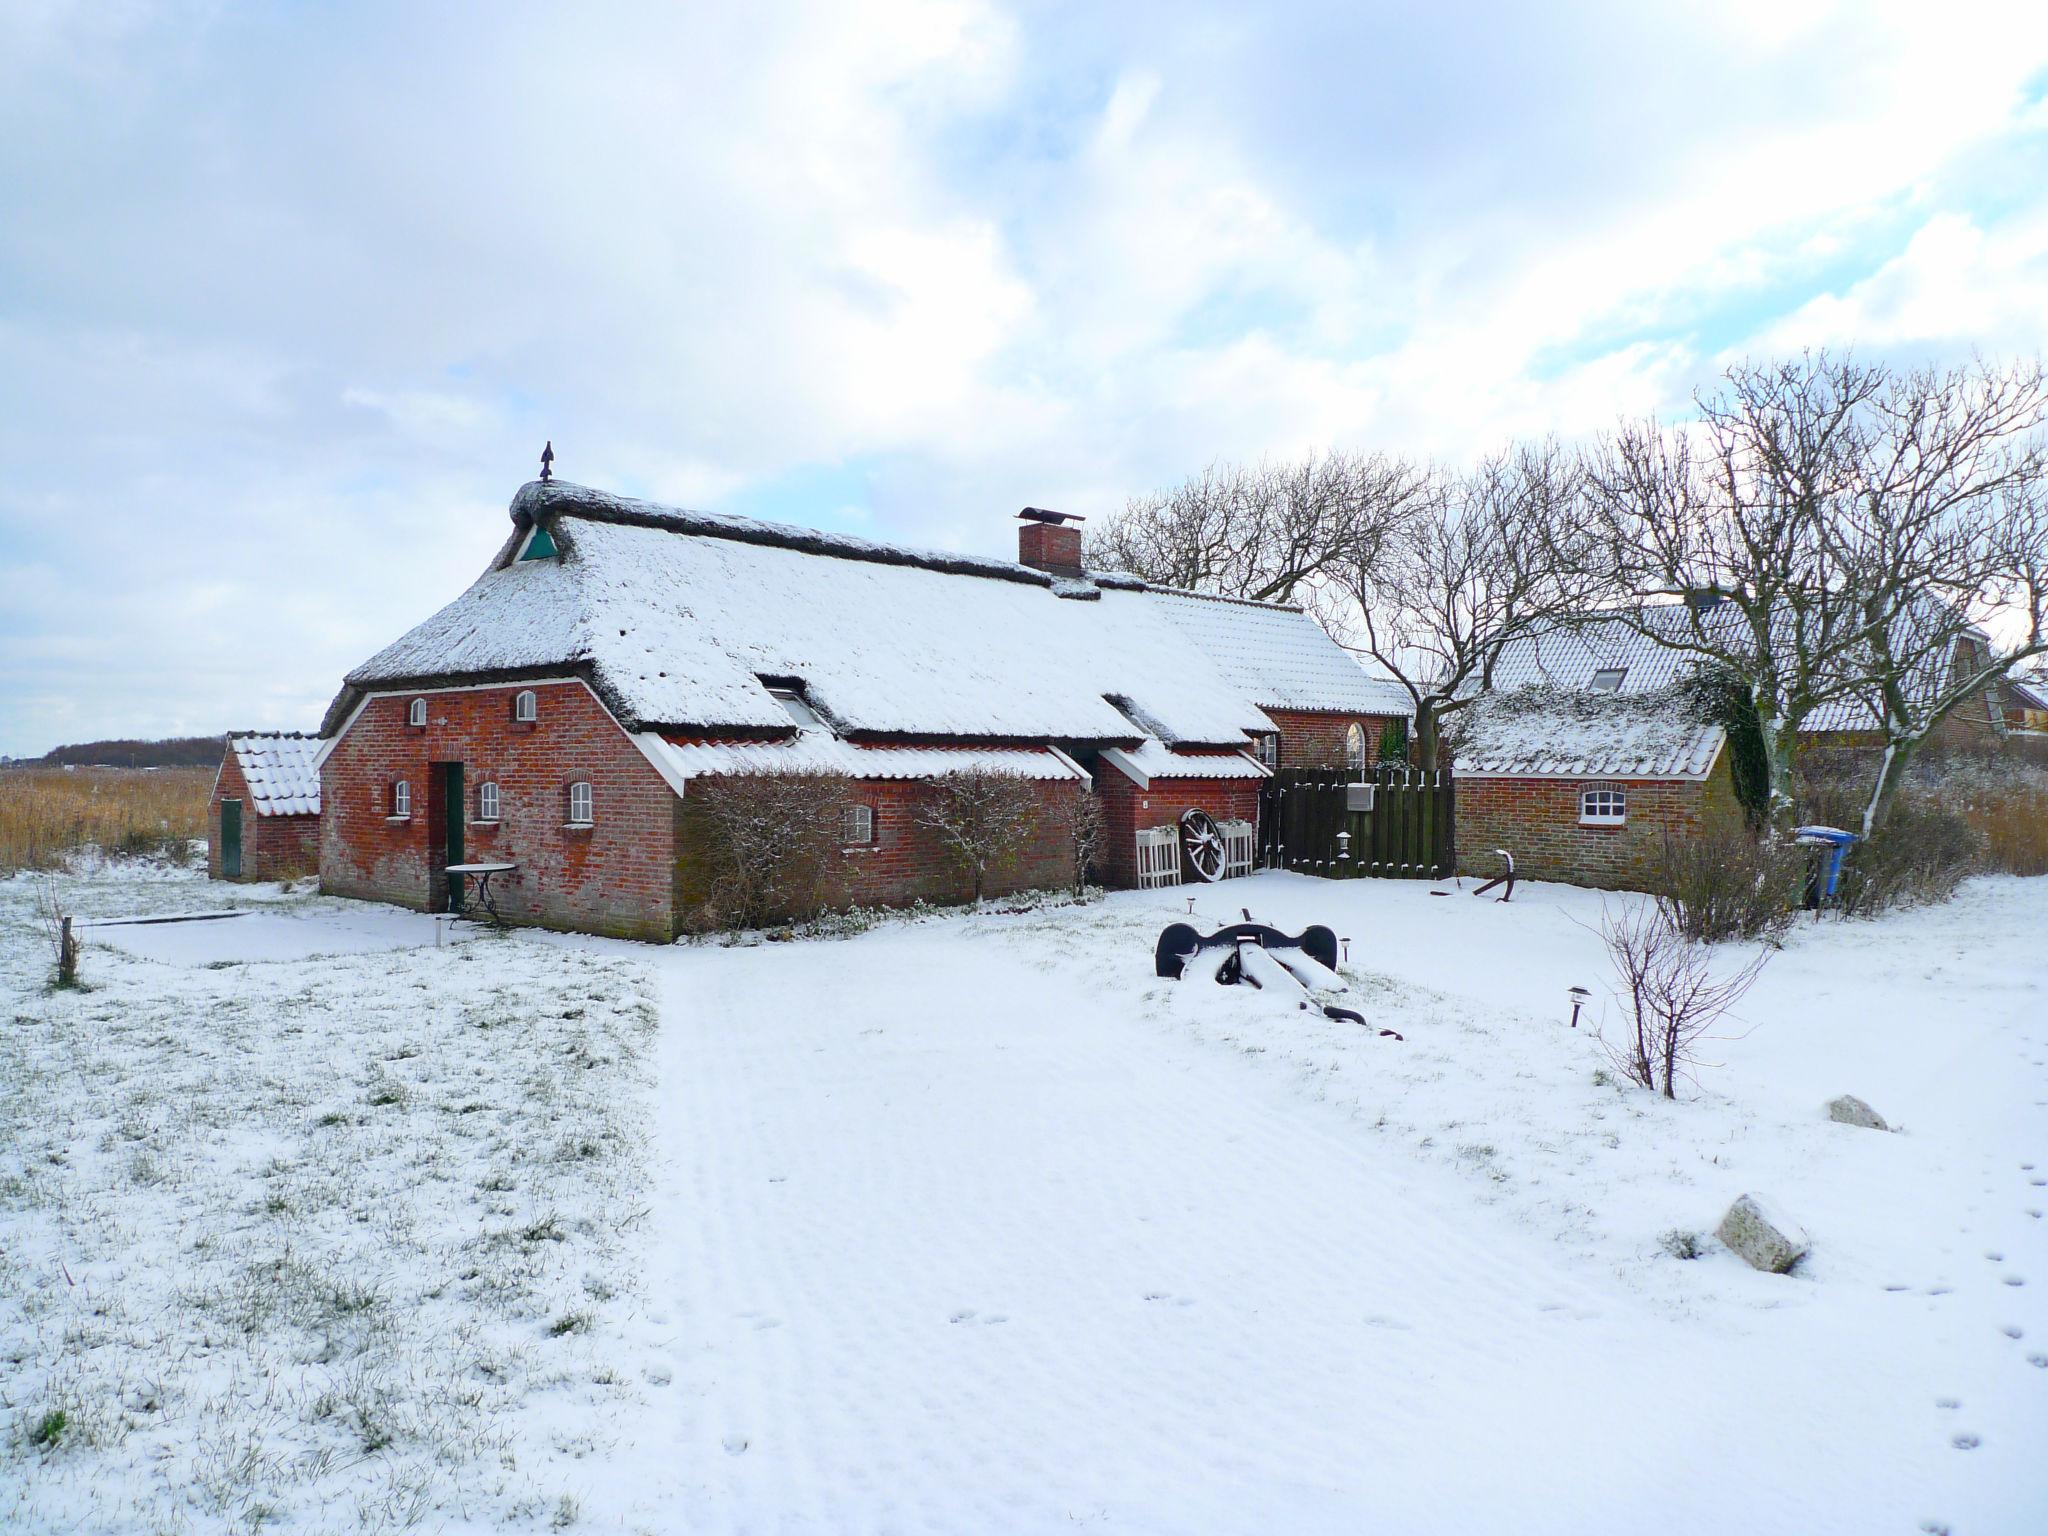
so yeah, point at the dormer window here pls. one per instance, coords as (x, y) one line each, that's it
(789, 693)
(525, 707)
(1609, 679)
(539, 545)
(416, 714)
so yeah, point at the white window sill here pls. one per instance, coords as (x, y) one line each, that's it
(858, 848)
(398, 818)
(578, 826)
(1618, 821)
(485, 821)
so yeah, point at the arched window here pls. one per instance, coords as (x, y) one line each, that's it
(580, 805)
(416, 712)
(487, 802)
(1354, 747)
(525, 707)
(401, 798)
(1603, 805)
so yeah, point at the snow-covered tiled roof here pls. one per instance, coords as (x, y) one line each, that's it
(1153, 759)
(280, 771)
(1280, 657)
(1549, 732)
(821, 752)
(2029, 692)
(676, 617)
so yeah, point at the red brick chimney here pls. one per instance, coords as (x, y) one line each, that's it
(1050, 541)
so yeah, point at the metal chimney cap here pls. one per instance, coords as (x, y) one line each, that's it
(1045, 515)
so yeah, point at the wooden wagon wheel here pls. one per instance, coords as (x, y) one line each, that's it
(1202, 844)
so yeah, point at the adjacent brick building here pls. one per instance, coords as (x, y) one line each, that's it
(263, 819)
(618, 657)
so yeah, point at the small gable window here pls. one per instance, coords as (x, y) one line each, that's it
(540, 545)
(525, 707)
(859, 825)
(580, 805)
(416, 713)
(1603, 805)
(401, 800)
(1609, 679)
(1354, 748)
(1267, 746)
(487, 802)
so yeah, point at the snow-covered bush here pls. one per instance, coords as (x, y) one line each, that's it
(1726, 882)
(768, 846)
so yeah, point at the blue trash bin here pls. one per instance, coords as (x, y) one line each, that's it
(1830, 846)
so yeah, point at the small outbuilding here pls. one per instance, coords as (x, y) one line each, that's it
(264, 819)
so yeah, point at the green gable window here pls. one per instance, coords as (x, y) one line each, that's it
(540, 545)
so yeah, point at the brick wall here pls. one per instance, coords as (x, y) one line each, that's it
(906, 862)
(1537, 820)
(1126, 808)
(616, 876)
(273, 847)
(1315, 738)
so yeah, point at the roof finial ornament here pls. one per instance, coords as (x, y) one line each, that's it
(547, 460)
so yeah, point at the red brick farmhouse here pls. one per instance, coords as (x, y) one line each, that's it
(263, 822)
(618, 654)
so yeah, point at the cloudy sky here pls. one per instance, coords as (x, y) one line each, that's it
(290, 295)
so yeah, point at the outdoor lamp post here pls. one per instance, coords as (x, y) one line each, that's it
(1580, 996)
(1343, 847)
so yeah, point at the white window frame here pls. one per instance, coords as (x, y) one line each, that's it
(1603, 805)
(1266, 747)
(1355, 760)
(525, 706)
(401, 800)
(857, 828)
(487, 800)
(581, 800)
(1618, 676)
(416, 713)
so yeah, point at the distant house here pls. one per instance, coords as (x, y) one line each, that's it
(617, 654)
(263, 822)
(1586, 752)
(2025, 701)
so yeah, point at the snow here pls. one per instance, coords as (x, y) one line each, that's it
(972, 1223)
(282, 772)
(1154, 760)
(680, 615)
(820, 752)
(1281, 659)
(299, 933)
(1537, 732)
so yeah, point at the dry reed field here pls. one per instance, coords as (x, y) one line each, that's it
(47, 812)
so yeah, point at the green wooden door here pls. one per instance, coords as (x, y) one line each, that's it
(451, 797)
(231, 839)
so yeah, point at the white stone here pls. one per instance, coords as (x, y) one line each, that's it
(1760, 1237)
(1850, 1110)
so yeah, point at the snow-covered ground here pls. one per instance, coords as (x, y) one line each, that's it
(972, 1224)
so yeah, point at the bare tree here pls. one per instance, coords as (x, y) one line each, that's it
(1079, 818)
(1781, 536)
(771, 843)
(1469, 567)
(1270, 532)
(983, 818)
(1669, 994)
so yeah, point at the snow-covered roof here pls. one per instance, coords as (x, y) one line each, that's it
(1281, 658)
(821, 752)
(1571, 655)
(280, 770)
(1153, 759)
(677, 617)
(1549, 732)
(2028, 692)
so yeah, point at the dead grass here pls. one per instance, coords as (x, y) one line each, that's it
(2012, 820)
(45, 813)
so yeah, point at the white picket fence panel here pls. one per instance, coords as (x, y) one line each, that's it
(1158, 856)
(1240, 846)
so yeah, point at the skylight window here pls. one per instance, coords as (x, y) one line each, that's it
(1609, 679)
(789, 693)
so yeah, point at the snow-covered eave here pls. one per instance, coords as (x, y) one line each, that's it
(680, 761)
(1632, 772)
(1154, 760)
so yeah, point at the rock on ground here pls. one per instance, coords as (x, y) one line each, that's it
(1761, 1238)
(1850, 1110)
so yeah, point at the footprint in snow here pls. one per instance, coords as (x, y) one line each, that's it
(1966, 1442)
(2013, 1331)
(735, 1445)
(964, 1315)
(2015, 1279)
(1948, 1402)
(1995, 1257)
(2039, 1362)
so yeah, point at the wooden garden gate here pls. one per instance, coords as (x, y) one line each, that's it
(1395, 822)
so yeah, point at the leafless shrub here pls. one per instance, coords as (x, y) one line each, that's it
(1924, 850)
(1669, 993)
(1726, 883)
(770, 844)
(983, 819)
(1079, 818)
